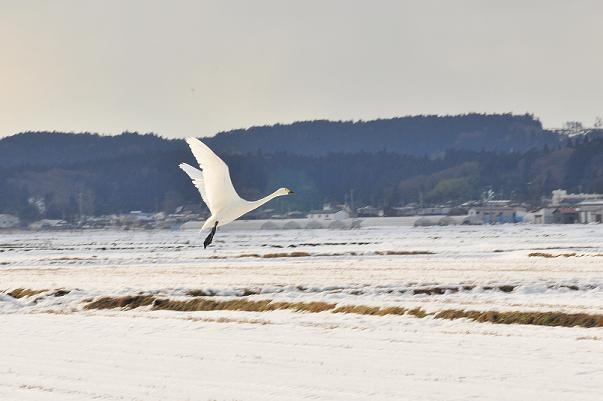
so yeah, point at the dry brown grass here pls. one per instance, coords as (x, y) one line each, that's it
(126, 302)
(286, 255)
(532, 318)
(24, 292)
(404, 253)
(503, 288)
(228, 320)
(433, 290)
(371, 310)
(201, 293)
(417, 312)
(299, 254)
(60, 293)
(243, 292)
(266, 255)
(440, 290)
(266, 305)
(204, 304)
(506, 288)
(550, 255)
(392, 310)
(358, 309)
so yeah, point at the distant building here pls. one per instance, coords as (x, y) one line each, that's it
(565, 215)
(544, 216)
(48, 224)
(404, 211)
(8, 221)
(328, 214)
(192, 208)
(369, 211)
(590, 211)
(433, 211)
(560, 197)
(497, 213)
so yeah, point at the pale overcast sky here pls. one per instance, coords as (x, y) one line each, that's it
(182, 68)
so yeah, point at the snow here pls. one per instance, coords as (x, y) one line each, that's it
(51, 348)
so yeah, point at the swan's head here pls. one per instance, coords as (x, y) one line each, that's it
(284, 191)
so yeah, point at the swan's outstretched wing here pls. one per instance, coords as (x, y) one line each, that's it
(197, 176)
(218, 190)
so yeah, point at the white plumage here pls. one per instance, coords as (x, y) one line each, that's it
(216, 189)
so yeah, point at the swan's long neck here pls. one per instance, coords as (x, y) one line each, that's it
(255, 204)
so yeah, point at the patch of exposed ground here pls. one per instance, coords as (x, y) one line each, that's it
(228, 320)
(266, 255)
(564, 255)
(404, 253)
(420, 290)
(318, 244)
(308, 254)
(28, 292)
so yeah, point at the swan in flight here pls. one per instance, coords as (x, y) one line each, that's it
(216, 189)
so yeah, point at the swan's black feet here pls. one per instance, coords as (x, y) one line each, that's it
(210, 237)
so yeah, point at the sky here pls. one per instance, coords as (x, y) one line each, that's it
(181, 68)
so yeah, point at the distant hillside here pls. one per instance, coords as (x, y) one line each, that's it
(419, 135)
(50, 148)
(416, 135)
(71, 174)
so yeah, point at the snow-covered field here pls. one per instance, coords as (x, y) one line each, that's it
(51, 348)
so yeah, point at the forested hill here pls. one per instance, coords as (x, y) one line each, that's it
(415, 135)
(419, 135)
(50, 148)
(73, 174)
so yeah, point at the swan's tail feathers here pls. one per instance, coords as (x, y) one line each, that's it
(196, 176)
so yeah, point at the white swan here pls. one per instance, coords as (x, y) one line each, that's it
(216, 189)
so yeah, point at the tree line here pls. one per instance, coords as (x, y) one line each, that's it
(58, 175)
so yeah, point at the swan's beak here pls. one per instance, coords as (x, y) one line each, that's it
(290, 192)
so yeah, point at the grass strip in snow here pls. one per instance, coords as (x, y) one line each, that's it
(203, 304)
(299, 254)
(533, 318)
(558, 255)
(24, 292)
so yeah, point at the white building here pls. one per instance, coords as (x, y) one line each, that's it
(496, 213)
(46, 224)
(369, 211)
(590, 211)
(561, 197)
(544, 216)
(328, 214)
